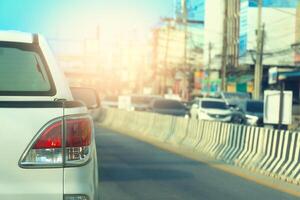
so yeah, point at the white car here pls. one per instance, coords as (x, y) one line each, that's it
(211, 109)
(47, 143)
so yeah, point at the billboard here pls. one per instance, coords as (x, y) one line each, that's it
(243, 27)
(275, 3)
(196, 9)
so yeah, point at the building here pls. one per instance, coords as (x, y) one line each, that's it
(232, 35)
(213, 45)
(280, 30)
(79, 58)
(195, 15)
(297, 39)
(177, 53)
(178, 49)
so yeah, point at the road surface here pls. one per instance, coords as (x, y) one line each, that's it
(133, 170)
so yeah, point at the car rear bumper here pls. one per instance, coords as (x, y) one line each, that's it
(82, 180)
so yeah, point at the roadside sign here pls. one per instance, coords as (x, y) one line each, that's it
(273, 75)
(124, 102)
(272, 107)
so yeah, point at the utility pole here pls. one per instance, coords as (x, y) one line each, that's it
(210, 47)
(98, 48)
(225, 43)
(259, 54)
(184, 16)
(185, 24)
(164, 88)
(155, 78)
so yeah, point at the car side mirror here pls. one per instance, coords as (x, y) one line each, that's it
(88, 96)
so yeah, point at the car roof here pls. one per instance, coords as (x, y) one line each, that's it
(212, 99)
(16, 36)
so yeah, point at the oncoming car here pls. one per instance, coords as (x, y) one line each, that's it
(168, 107)
(211, 109)
(47, 141)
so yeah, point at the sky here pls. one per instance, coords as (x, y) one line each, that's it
(78, 18)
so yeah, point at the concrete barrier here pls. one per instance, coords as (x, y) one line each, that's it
(270, 152)
(192, 136)
(239, 137)
(224, 142)
(180, 131)
(291, 157)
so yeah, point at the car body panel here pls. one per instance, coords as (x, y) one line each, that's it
(18, 127)
(83, 179)
(21, 119)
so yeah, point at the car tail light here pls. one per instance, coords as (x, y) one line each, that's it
(78, 140)
(62, 142)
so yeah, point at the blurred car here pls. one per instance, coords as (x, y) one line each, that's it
(87, 96)
(238, 115)
(110, 102)
(211, 109)
(189, 104)
(254, 111)
(233, 99)
(168, 107)
(142, 102)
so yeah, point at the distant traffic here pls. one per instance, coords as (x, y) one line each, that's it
(227, 107)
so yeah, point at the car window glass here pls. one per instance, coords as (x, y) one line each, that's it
(22, 71)
(214, 105)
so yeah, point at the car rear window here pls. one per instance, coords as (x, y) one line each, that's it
(214, 105)
(23, 70)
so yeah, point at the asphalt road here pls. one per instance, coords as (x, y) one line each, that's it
(133, 170)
